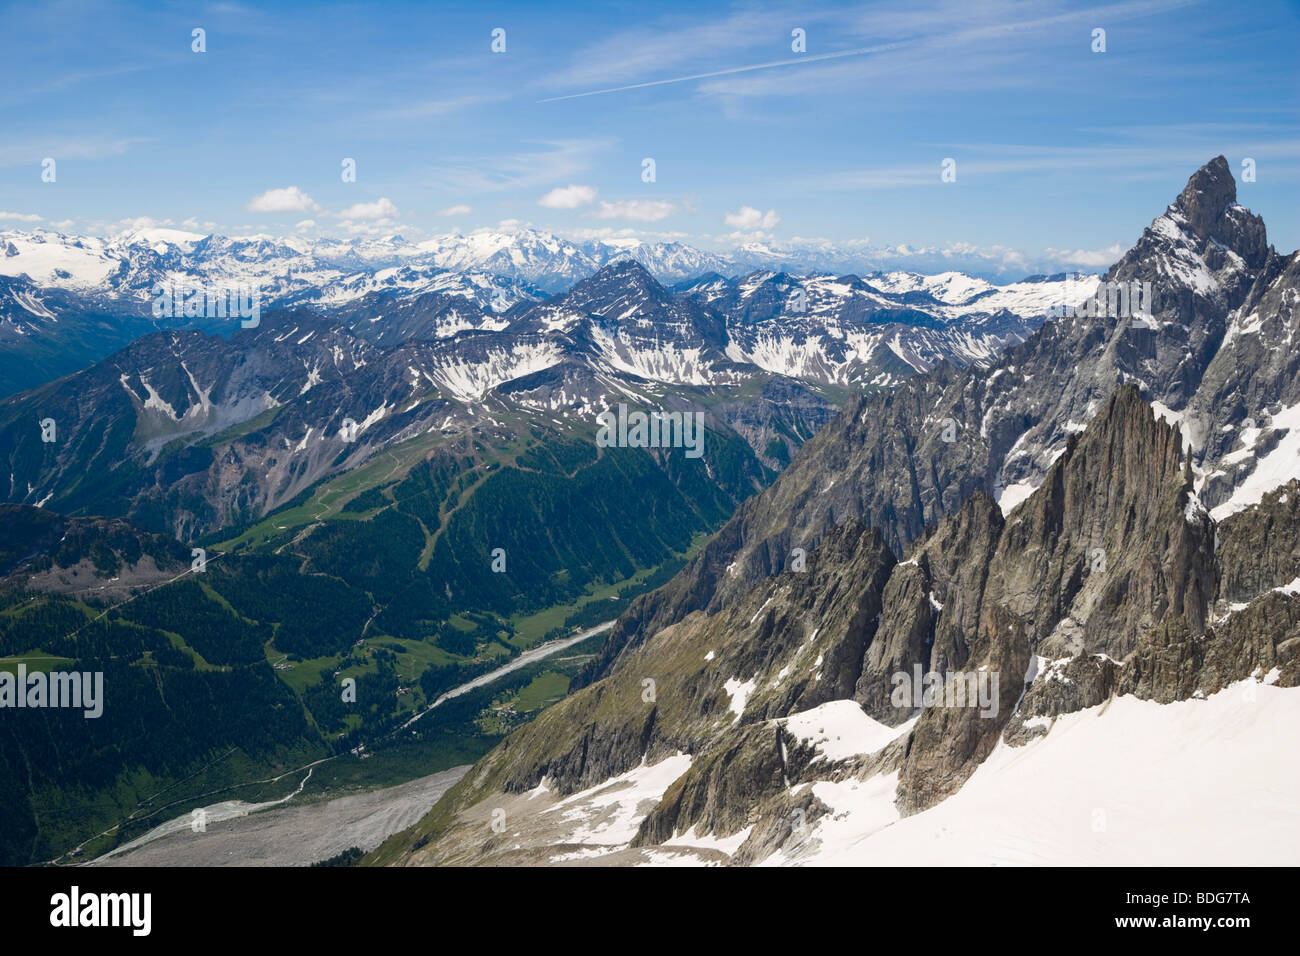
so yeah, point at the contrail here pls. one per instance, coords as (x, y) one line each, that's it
(736, 69)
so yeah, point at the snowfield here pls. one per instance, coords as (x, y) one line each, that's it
(1127, 783)
(841, 729)
(1271, 471)
(609, 813)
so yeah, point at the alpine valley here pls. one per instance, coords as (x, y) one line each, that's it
(371, 535)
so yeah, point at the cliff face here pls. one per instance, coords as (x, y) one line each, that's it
(1111, 549)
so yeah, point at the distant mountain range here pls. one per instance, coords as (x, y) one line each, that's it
(66, 301)
(294, 268)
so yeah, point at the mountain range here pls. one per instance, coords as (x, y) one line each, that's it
(1096, 530)
(67, 301)
(1082, 498)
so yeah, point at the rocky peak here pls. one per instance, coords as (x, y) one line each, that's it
(619, 292)
(1208, 193)
(625, 274)
(1203, 246)
(1207, 209)
(1125, 454)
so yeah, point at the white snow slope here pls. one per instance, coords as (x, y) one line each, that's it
(1131, 782)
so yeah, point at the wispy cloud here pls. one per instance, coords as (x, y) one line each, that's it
(638, 210)
(774, 64)
(555, 160)
(932, 43)
(986, 160)
(670, 43)
(428, 109)
(33, 151)
(15, 95)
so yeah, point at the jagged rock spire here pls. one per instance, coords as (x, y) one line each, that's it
(1209, 191)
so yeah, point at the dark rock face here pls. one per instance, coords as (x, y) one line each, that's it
(1254, 376)
(1208, 203)
(723, 790)
(1078, 683)
(906, 635)
(766, 642)
(1261, 639)
(1105, 557)
(1105, 547)
(1259, 549)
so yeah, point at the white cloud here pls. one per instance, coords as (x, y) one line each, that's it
(568, 197)
(460, 209)
(365, 227)
(1093, 258)
(288, 199)
(381, 208)
(305, 224)
(641, 210)
(64, 224)
(21, 217)
(137, 223)
(626, 235)
(747, 217)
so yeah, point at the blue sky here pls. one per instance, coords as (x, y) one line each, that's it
(1062, 154)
